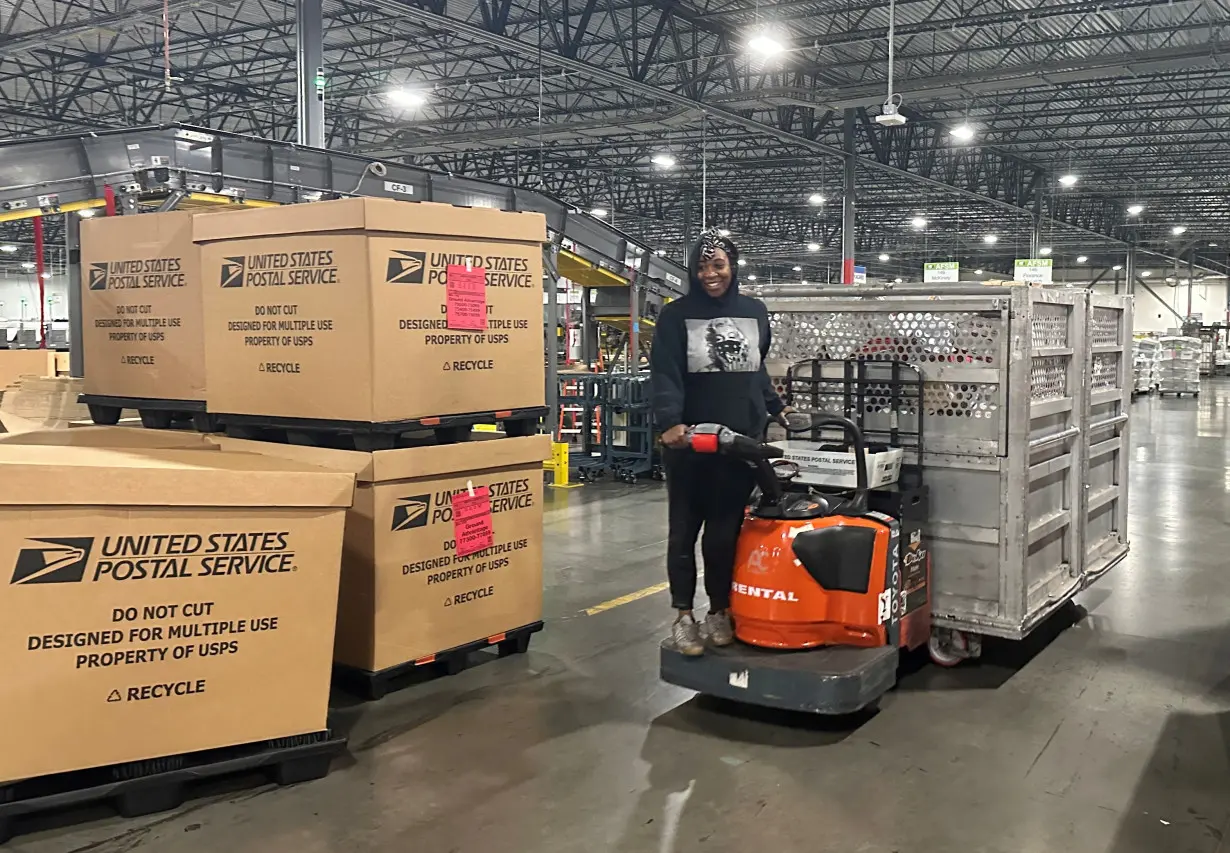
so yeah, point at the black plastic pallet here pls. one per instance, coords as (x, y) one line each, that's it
(106, 410)
(1179, 393)
(383, 435)
(146, 787)
(375, 685)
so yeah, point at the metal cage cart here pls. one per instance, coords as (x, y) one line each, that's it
(1179, 365)
(607, 420)
(1025, 409)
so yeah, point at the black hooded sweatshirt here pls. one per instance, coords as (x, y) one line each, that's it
(707, 362)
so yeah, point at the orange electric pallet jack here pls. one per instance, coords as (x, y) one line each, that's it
(829, 585)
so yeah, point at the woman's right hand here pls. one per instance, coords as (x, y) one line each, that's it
(676, 437)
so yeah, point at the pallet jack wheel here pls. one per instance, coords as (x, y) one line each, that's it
(949, 647)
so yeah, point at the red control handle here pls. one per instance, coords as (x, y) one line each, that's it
(705, 442)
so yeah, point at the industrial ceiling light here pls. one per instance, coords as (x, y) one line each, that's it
(977, 272)
(599, 212)
(1117, 267)
(1068, 180)
(813, 247)
(1081, 259)
(724, 232)
(765, 45)
(27, 265)
(742, 262)
(962, 133)
(751, 278)
(883, 257)
(663, 160)
(1045, 250)
(989, 238)
(815, 199)
(797, 269)
(8, 247)
(897, 280)
(1135, 210)
(86, 213)
(1178, 229)
(1212, 245)
(660, 252)
(919, 222)
(46, 275)
(1145, 273)
(409, 99)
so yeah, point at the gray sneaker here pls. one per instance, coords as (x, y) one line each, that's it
(685, 634)
(719, 629)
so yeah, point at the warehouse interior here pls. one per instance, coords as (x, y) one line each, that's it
(269, 282)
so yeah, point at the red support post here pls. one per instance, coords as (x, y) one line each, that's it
(42, 282)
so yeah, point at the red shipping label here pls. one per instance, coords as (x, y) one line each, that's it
(472, 521)
(465, 294)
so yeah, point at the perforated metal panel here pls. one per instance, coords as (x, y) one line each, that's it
(1105, 327)
(1049, 326)
(1048, 377)
(1105, 371)
(917, 337)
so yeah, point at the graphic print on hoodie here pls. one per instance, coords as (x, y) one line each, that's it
(723, 345)
(707, 361)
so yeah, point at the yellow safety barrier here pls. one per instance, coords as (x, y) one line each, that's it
(558, 466)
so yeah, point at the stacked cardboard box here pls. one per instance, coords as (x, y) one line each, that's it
(142, 332)
(178, 599)
(406, 591)
(339, 310)
(46, 401)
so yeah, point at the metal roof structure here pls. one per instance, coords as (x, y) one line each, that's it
(574, 97)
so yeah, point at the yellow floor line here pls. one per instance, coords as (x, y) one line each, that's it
(633, 596)
(626, 599)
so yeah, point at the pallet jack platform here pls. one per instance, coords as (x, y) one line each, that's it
(835, 680)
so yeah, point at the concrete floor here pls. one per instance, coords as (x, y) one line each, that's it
(1112, 737)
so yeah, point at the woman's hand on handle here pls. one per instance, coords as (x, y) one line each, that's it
(676, 437)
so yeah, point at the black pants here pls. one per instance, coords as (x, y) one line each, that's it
(708, 491)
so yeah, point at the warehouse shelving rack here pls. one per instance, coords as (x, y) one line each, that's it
(171, 166)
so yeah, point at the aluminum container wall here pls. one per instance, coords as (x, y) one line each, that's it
(1005, 409)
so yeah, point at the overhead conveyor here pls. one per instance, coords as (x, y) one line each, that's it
(169, 166)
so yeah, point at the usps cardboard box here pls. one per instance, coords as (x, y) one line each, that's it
(337, 310)
(839, 470)
(157, 602)
(142, 329)
(406, 593)
(116, 438)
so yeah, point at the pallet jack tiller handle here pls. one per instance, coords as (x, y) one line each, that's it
(715, 438)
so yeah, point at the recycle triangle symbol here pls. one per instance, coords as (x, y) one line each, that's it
(114, 696)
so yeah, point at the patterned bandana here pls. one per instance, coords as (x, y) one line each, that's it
(711, 240)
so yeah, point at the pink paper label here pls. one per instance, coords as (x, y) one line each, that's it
(465, 294)
(472, 521)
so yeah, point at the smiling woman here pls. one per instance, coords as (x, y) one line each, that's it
(707, 367)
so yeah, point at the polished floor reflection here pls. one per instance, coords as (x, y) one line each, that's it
(1110, 734)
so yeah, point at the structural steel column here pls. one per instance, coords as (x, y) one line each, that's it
(848, 200)
(1129, 268)
(588, 356)
(310, 56)
(550, 278)
(1191, 280)
(1035, 238)
(72, 255)
(634, 323)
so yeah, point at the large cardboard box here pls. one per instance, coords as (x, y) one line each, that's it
(142, 330)
(156, 602)
(337, 310)
(405, 592)
(16, 363)
(114, 438)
